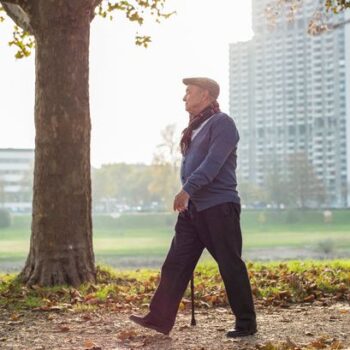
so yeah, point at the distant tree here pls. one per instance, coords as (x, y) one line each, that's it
(2, 192)
(61, 249)
(304, 186)
(101, 187)
(121, 183)
(136, 185)
(5, 218)
(251, 193)
(165, 167)
(345, 193)
(278, 189)
(168, 152)
(26, 185)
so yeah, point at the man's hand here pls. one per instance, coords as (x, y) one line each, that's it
(181, 201)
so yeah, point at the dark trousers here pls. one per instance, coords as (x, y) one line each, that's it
(217, 229)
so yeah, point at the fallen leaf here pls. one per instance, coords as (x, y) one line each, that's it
(89, 296)
(86, 317)
(64, 329)
(284, 294)
(49, 308)
(318, 344)
(89, 344)
(92, 301)
(127, 334)
(309, 298)
(15, 317)
(182, 306)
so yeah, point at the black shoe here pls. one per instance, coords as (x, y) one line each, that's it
(144, 322)
(237, 333)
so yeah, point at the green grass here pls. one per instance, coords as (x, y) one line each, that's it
(149, 235)
(279, 284)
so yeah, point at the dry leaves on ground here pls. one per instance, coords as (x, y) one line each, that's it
(298, 327)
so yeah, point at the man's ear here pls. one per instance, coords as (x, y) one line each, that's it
(206, 95)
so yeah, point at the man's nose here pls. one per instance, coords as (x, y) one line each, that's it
(184, 98)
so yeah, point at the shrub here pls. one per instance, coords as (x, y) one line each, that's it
(326, 246)
(5, 218)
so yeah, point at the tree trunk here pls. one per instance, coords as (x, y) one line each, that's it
(61, 249)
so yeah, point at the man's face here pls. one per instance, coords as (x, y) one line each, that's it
(195, 99)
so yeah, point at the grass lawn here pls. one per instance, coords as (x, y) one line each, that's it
(306, 301)
(273, 283)
(149, 235)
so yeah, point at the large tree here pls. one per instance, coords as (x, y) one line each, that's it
(61, 249)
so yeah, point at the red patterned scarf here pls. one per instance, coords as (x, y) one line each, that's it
(195, 122)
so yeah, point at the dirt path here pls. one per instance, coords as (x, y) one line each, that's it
(299, 325)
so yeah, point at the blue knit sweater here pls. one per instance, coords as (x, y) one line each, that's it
(208, 169)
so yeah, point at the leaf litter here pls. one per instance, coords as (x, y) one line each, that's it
(307, 327)
(300, 306)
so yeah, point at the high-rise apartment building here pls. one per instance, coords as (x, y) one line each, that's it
(290, 97)
(16, 170)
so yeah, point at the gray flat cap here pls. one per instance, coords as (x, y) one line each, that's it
(205, 83)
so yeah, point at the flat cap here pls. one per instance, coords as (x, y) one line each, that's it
(205, 83)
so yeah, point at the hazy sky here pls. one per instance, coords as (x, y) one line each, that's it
(134, 92)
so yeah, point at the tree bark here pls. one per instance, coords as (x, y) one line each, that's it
(18, 13)
(61, 249)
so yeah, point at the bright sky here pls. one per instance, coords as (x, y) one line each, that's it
(134, 92)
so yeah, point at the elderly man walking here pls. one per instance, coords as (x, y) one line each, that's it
(209, 214)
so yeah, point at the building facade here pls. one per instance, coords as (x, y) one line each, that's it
(16, 174)
(290, 98)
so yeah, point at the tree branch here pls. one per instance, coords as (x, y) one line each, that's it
(318, 29)
(95, 3)
(340, 24)
(15, 10)
(16, 2)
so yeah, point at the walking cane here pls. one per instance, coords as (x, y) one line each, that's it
(193, 320)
